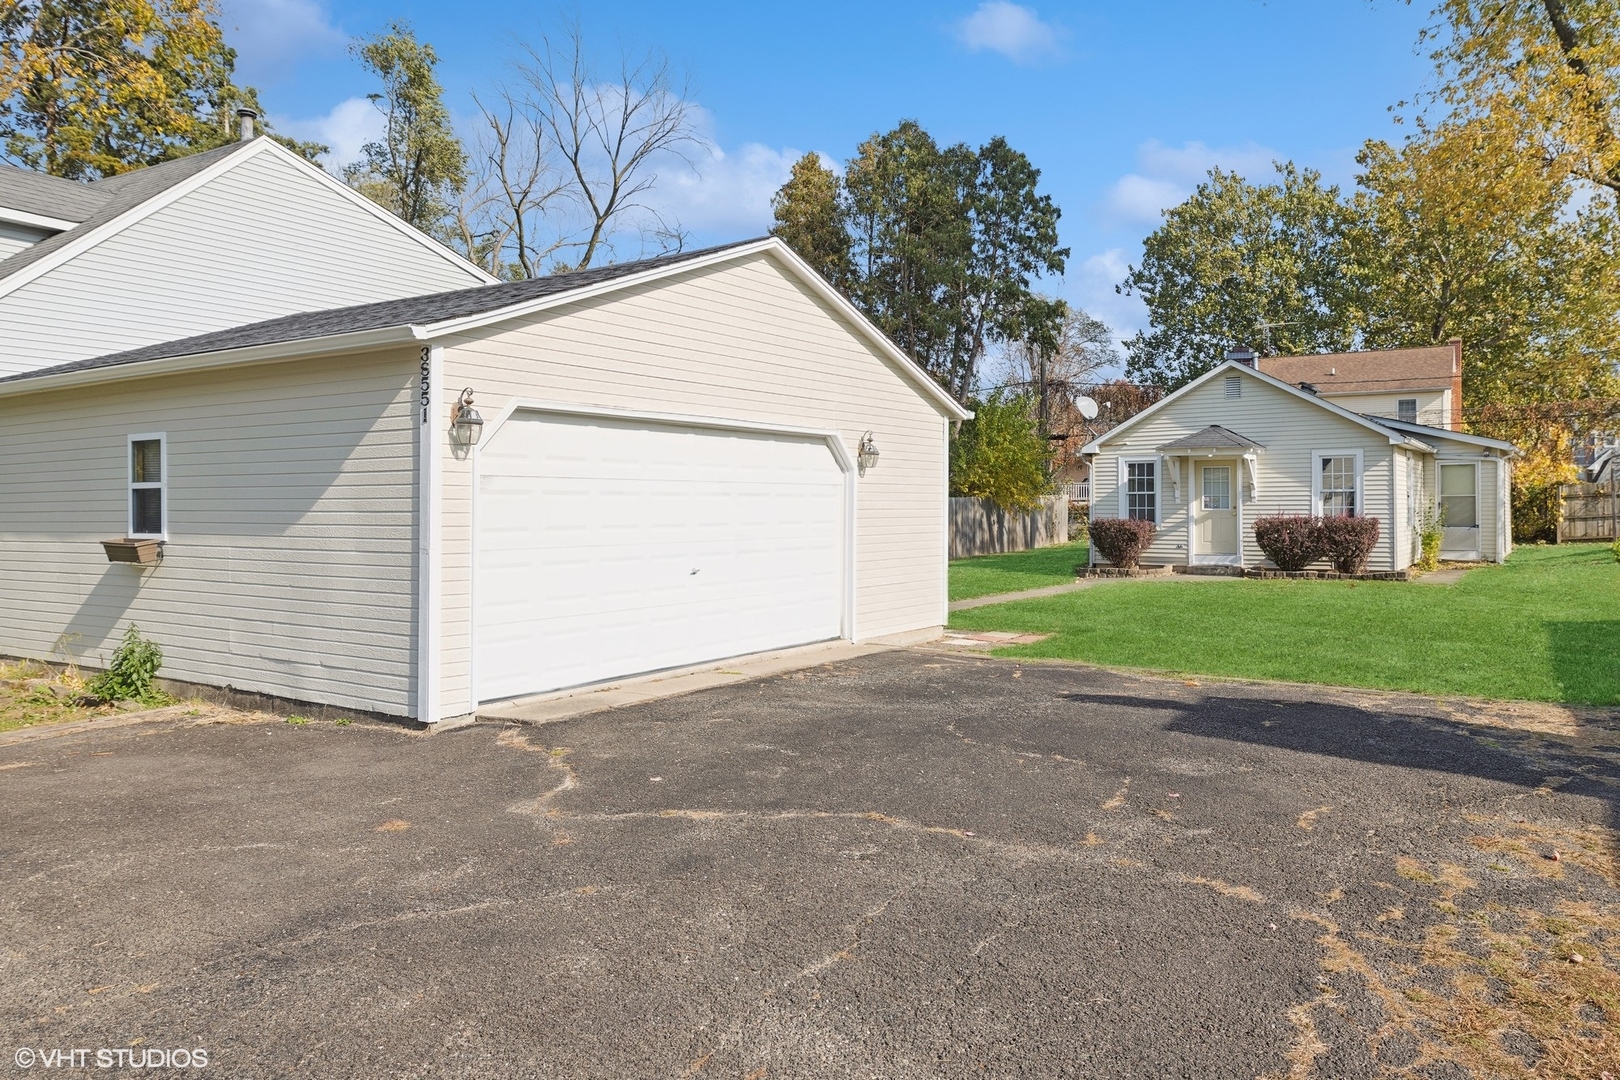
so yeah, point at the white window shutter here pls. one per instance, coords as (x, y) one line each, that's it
(1124, 493)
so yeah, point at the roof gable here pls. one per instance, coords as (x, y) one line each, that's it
(439, 315)
(1233, 367)
(130, 197)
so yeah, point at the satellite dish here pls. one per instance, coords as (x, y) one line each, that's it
(1087, 407)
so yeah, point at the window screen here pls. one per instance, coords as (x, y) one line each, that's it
(1338, 487)
(146, 487)
(1459, 501)
(1141, 490)
(1406, 410)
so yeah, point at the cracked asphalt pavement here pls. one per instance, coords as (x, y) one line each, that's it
(912, 864)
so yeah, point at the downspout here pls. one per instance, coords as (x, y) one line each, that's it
(429, 528)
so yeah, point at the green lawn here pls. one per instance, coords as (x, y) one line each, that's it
(1544, 627)
(991, 574)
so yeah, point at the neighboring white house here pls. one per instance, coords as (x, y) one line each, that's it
(1237, 444)
(681, 459)
(1417, 386)
(246, 232)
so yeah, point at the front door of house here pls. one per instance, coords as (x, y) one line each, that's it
(1215, 512)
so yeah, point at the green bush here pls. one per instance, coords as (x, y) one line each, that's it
(1535, 512)
(1348, 541)
(1291, 541)
(1615, 547)
(1001, 455)
(1430, 534)
(129, 675)
(1121, 540)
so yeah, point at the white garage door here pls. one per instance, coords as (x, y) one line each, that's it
(607, 548)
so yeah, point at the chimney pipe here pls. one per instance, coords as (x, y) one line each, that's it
(1242, 355)
(247, 116)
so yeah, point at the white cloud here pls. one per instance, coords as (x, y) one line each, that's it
(349, 126)
(1092, 288)
(1166, 175)
(725, 193)
(271, 37)
(1012, 30)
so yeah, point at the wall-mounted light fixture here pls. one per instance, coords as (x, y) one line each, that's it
(867, 454)
(465, 423)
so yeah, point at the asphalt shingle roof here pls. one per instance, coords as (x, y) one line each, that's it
(1380, 371)
(48, 196)
(1213, 437)
(414, 310)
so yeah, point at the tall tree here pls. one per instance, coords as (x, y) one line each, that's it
(1468, 232)
(418, 165)
(1239, 263)
(90, 88)
(911, 239)
(944, 245)
(1551, 67)
(609, 136)
(1014, 239)
(503, 221)
(811, 219)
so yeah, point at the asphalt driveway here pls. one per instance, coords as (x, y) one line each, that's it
(912, 864)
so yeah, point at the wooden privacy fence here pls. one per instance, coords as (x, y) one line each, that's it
(1588, 512)
(980, 527)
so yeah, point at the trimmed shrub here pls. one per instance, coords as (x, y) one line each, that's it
(1121, 540)
(1347, 541)
(1292, 541)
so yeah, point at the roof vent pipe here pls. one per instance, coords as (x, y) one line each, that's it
(1242, 355)
(247, 116)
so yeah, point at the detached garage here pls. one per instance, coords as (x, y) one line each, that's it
(420, 506)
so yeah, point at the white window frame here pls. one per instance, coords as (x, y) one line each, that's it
(162, 485)
(1125, 491)
(1316, 479)
(1479, 500)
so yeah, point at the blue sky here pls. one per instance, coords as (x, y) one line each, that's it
(1123, 107)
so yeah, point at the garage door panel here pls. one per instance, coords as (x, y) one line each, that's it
(607, 548)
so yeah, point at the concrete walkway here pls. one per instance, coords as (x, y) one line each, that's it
(1449, 576)
(1076, 586)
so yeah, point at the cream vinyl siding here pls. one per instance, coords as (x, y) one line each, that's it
(741, 341)
(1291, 430)
(261, 240)
(1434, 406)
(290, 563)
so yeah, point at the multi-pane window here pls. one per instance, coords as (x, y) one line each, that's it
(1141, 490)
(146, 486)
(1338, 486)
(1459, 496)
(1217, 487)
(1406, 410)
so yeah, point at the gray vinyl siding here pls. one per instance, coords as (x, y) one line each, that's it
(261, 240)
(1291, 430)
(290, 563)
(742, 341)
(14, 238)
